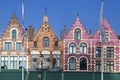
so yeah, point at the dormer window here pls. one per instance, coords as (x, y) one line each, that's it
(77, 34)
(14, 35)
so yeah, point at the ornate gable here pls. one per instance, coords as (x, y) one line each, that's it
(77, 24)
(13, 25)
(44, 33)
(14, 21)
(109, 32)
(45, 30)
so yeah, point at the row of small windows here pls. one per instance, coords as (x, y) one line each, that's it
(83, 48)
(8, 46)
(77, 35)
(46, 42)
(109, 52)
(46, 61)
(13, 62)
(83, 64)
(109, 66)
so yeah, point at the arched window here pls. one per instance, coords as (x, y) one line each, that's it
(72, 48)
(14, 34)
(72, 64)
(83, 48)
(77, 34)
(35, 43)
(83, 64)
(46, 42)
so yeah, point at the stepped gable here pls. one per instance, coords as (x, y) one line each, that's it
(14, 21)
(108, 29)
(77, 24)
(13, 24)
(45, 29)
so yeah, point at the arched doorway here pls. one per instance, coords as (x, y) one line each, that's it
(72, 63)
(83, 63)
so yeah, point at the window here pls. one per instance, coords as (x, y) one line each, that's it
(104, 35)
(18, 46)
(13, 62)
(110, 66)
(8, 45)
(46, 61)
(22, 61)
(72, 64)
(98, 65)
(107, 35)
(110, 52)
(56, 44)
(83, 48)
(4, 62)
(72, 48)
(35, 58)
(77, 34)
(98, 51)
(13, 33)
(83, 64)
(56, 60)
(35, 43)
(46, 42)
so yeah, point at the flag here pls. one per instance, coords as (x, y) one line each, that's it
(22, 23)
(102, 27)
(22, 10)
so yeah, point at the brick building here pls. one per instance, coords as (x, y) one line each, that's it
(11, 54)
(45, 49)
(77, 50)
(82, 51)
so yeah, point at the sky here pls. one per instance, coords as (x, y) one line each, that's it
(60, 13)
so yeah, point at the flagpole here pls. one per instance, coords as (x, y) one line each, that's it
(0, 63)
(103, 37)
(102, 61)
(22, 39)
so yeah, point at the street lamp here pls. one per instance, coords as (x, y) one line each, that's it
(40, 75)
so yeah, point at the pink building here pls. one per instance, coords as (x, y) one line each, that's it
(82, 51)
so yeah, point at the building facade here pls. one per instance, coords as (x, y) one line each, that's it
(77, 43)
(82, 51)
(77, 50)
(11, 54)
(46, 50)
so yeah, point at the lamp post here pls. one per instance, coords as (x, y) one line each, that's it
(40, 75)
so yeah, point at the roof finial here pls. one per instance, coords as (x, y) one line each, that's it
(77, 14)
(45, 10)
(45, 19)
(14, 11)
